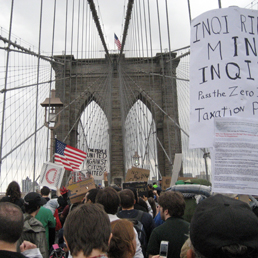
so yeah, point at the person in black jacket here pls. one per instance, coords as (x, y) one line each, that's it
(13, 195)
(128, 211)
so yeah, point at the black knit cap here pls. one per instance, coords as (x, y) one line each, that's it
(33, 200)
(222, 221)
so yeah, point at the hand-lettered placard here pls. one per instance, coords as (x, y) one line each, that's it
(141, 187)
(223, 70)
(137, 174)
(166, 180)
(96, 163)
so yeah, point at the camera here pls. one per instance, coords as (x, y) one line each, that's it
(163, 251)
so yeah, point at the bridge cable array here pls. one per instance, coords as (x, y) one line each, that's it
(78, 40)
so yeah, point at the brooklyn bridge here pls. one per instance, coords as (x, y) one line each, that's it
(127, 94)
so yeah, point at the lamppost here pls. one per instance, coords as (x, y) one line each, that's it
(136, 159)
(52, 107)
(205, 156)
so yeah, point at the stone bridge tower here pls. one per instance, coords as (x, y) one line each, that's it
(77, 80)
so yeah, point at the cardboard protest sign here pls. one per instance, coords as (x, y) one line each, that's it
(79, 189)
(137, 174)
(96, 163)
(223, 64)
(166, 180)
(51, 175)
(141, 187)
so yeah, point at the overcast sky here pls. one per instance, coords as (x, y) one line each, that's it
(111, 13)
(25, 25)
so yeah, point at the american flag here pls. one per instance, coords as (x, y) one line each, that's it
(118, 43)
(68, 156)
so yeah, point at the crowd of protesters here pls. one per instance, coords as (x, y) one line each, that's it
(116, 223)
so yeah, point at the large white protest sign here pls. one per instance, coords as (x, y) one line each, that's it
(96, 163)
(51, 175)
(223, 70)
(235, 156)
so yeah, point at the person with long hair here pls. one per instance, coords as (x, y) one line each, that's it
(13, 195)
(123, 242)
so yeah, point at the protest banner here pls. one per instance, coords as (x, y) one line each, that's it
(96, 163)
(223, 64)
(137, 174)
(166, 180)
(235, 156)
(79, 189)
(141, 187)
(51, 175)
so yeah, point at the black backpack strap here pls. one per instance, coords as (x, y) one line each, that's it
(139, 215)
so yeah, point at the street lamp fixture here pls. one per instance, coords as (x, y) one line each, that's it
(52, 107)
(205, 156)
(136, 159)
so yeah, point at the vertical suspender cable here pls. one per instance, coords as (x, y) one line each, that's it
(65, 50)
(50, 84)
(70, 77)
(141, 27)
(163, 73)
(77, 57)
(170, 69)
(189, 11)
(152, 88)
(5, 85)
(37, 90)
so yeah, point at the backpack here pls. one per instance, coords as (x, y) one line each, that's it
(57, 252)
(140, 230)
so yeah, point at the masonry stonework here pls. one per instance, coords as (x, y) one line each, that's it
(79, 81)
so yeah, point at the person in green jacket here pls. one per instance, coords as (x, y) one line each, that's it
(47, 219)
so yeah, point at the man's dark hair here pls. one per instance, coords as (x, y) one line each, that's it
(87, 227)
(150, 193)
(45, 190)
(11, 222)
(92, 193)
(109, 198)
(173, 202)
(127, 198)
(134, 192)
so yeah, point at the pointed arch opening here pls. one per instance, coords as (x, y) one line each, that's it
(140, 138)
(93, 132)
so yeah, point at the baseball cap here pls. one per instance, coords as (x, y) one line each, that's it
(33, 199)
(222, 221)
